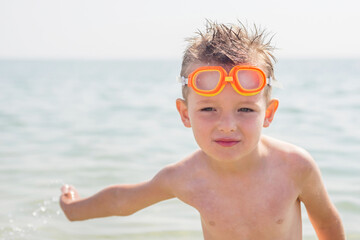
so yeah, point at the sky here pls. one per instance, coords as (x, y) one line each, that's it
(146, 29)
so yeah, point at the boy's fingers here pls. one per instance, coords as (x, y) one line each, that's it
(68, 191)
(65, 189)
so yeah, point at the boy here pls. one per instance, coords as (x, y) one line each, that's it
(244, 185)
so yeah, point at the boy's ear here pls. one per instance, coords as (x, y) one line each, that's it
(183, 111)
(270, 112)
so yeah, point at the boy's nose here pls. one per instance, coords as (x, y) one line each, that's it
(227, 123)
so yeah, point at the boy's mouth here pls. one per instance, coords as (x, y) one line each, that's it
(227, 142)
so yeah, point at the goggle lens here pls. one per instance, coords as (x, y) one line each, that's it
(207, 80)
(249, 80)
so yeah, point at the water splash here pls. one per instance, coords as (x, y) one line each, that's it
(23, 223)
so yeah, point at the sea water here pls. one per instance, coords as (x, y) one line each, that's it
(98, 123)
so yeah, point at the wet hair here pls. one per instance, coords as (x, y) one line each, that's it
(230, 45)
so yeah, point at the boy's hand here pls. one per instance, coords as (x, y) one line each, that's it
(68, 195)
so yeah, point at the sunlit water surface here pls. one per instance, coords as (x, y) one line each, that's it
(97, 123)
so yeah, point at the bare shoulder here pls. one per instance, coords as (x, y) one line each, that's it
(182, 167)
(178, 176)
(297, 159)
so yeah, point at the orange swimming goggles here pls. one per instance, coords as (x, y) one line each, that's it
(210, 80)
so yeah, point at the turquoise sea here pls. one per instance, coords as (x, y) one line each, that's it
(98, 123)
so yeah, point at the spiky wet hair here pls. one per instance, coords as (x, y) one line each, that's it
(229, 44)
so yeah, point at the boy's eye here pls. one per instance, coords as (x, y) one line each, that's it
(245, 110)
(207, 109)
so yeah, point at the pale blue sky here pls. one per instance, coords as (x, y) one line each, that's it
(157, 28)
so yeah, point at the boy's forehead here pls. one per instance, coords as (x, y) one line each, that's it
(227, 96)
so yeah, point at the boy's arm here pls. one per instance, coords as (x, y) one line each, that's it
(117, 200)
(322, 213)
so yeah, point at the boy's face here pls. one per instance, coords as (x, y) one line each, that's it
(227, 127)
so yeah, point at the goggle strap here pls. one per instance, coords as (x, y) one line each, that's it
(275, 83)
(269, 81)
(183, 80)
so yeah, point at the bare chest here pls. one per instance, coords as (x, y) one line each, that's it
(256, 209)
